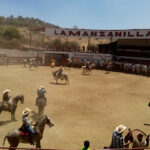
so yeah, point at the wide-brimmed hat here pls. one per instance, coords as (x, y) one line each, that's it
(41, 87)
(26, 111)
(120, 128)
(138, 133)
(6, 91)
(61, 66)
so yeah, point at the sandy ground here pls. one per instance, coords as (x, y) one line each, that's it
(90, 107)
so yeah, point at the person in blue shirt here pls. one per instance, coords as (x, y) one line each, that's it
(27, 124)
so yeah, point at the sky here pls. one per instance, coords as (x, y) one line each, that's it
(85, 14)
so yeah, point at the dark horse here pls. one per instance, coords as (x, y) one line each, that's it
(5, 107)
(14, 137)
(41, 103)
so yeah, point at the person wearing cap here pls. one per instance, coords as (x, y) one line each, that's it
(86, 145)
(27, 124)
(117, 137)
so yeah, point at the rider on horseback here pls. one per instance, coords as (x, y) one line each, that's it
(87, 64)
(60, 70)
(6, 98)
(27, 125)
(41, 93)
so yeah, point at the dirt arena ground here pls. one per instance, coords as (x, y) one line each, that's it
(90, 107)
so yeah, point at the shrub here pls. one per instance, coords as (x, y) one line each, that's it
(11, 33)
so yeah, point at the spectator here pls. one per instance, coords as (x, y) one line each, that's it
(117, 138)
(86, 145)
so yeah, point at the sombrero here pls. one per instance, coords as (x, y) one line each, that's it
(120, 128)
(6, 91)
(138, 133)
(26, 111)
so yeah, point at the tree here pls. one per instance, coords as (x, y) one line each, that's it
(11, 33)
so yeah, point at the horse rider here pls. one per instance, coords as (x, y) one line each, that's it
(87, 64)
(41, 93)
(60, 70)
(117, 137)
(27, 125)
(7, 98)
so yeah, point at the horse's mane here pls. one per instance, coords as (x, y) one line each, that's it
(39, 120)
(18, 96)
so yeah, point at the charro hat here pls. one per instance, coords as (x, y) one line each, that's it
(120, 128)
(26, 111)
(42, 87)
(6, 91)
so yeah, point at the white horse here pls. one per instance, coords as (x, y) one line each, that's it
(63, 76)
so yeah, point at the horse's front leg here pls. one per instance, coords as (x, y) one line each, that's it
(38, 144)
(39, 110)
(13, 116)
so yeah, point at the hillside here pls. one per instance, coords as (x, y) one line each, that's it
(17, 33)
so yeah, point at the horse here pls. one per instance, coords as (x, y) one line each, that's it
(15, 137)
(41, 103)
(32, 63)
(88, 70)
(63, 76)
(25, 62)
(12, 107)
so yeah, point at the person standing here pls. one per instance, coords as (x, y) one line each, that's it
(117, 137)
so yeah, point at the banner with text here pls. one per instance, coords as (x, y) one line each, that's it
(117, 34)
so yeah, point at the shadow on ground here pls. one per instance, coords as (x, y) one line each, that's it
(5, 122)
(57, 83)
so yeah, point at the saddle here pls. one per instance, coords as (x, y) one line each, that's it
(8, 105)
(23, 131)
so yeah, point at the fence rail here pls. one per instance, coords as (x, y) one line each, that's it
(19, 148)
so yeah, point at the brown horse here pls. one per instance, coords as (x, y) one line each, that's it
(14, 137)
(12, 107)
(41, 103)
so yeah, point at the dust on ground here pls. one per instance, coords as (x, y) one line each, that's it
(89, 108)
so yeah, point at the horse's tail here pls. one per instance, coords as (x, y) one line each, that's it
(4, 140)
